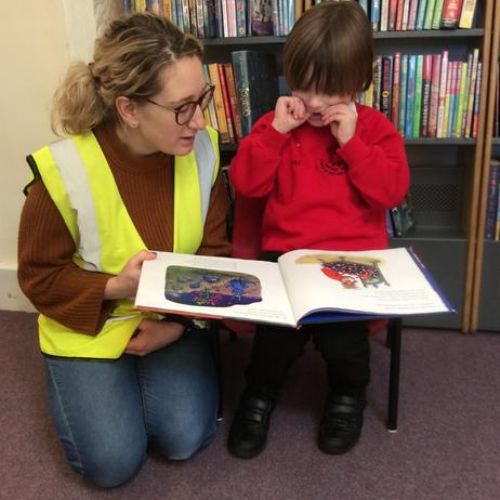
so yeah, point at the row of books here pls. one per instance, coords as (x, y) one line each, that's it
(245, 89)
(225, 18)
(427, 95)
(241, 18)
(403, 15)
(492, 221)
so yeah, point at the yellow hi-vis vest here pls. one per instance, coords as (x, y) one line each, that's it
(79, 181)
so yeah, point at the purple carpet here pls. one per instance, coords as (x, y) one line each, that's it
(447, 445)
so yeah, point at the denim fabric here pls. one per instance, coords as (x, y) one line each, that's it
(107, 412)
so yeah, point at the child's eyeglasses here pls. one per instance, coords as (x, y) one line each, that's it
(186, 111)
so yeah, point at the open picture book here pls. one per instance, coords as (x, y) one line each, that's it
(304, 286)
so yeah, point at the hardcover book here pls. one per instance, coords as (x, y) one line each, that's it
(304, 286)
(256, 79)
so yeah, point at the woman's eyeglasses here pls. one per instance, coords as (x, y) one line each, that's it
(185, 112)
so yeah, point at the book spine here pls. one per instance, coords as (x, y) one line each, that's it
(434, 100)
(406, 13)
(377, 82)
(421, 15)
(241, 18)
(447, 99)
(492, 201)
(436, 18)
(403, 94)
(226, 103)
(426, 94)
(455, 97)
(399, 15)
(443, 80)
(384, 14)
(233, 99)
(375, 14)
(417, 106)
(127, 6)
(429, 13)
(154, 6)
(393, 7)
(465, 96)
(467, 14)
(241, 79)
(451, 14)
(472, 88)
(412, 16)
(497, 224)
(386, 101)
(395, 88)
(219, 103)
(410, 94)
(462, 92)
(476, 100)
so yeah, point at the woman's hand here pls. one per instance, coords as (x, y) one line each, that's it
(342, 119)
(125, 284)
(290, 113)
(152, 335)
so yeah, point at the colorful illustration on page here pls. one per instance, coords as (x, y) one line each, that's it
(351, 272)
(206, 287)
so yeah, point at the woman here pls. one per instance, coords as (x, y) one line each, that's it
(139, 171)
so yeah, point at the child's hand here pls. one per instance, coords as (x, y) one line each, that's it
(342, 119)
(290, 113)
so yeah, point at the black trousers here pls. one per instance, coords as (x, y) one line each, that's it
(344, 347)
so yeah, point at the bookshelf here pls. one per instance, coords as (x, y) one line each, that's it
(447, 173)
(485, 308)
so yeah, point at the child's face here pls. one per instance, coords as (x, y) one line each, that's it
(317, 104)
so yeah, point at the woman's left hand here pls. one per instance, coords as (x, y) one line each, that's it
(342, 120)
(152, 335)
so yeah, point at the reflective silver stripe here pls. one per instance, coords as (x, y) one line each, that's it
(205, 161)
(74, 177)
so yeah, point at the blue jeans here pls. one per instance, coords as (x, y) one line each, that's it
(107, 412)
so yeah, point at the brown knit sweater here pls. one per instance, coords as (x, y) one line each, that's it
(74, 297)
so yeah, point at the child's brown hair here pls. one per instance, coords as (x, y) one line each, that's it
(330, 50)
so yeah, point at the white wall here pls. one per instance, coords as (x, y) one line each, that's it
(37, 42)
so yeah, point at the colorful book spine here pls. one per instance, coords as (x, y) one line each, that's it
(426, 94)
(429, 13)
(451, 14)
(128, 6)
(386, 97)
(393, 8)
(470, 98)
(417, 105)
(226, 103)
(395, 88)
(403, 83)
(434, 99)
(436, 18)
(233, 99)
(419, 25)
(399, 15)
(375, 14)
(412, 15)
(241, 18)
(384, 15)
(410, 94)
(447, 99)
(467, 14)
(462, 96)
(406, 13)
(219, 103)
(475, 119)
(377, 82)
(443, 80)
(492, 201)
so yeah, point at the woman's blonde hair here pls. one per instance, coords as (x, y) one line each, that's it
(127, 61)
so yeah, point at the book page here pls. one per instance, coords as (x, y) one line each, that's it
(385, 282)
(216, 287)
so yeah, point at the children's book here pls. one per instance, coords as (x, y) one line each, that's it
(304, 286)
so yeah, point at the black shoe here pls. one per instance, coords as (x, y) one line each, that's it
(341, 424)
(248, 433)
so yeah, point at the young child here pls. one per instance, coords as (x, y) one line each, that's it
(330, 169)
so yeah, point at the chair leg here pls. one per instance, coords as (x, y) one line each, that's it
(394, 340)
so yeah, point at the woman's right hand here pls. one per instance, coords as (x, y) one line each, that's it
(124, 285)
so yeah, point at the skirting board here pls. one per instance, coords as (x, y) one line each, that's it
(11, 296)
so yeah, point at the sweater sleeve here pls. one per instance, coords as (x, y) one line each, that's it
(47, 275)
(215, 239)
(254, 166)
(377, 163)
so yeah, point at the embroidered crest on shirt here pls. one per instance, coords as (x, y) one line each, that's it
(333, 164)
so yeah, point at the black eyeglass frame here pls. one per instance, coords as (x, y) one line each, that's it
(178, 110)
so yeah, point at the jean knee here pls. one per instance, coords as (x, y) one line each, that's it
(109, 468)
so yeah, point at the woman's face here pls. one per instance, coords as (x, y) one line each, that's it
(181, 81)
